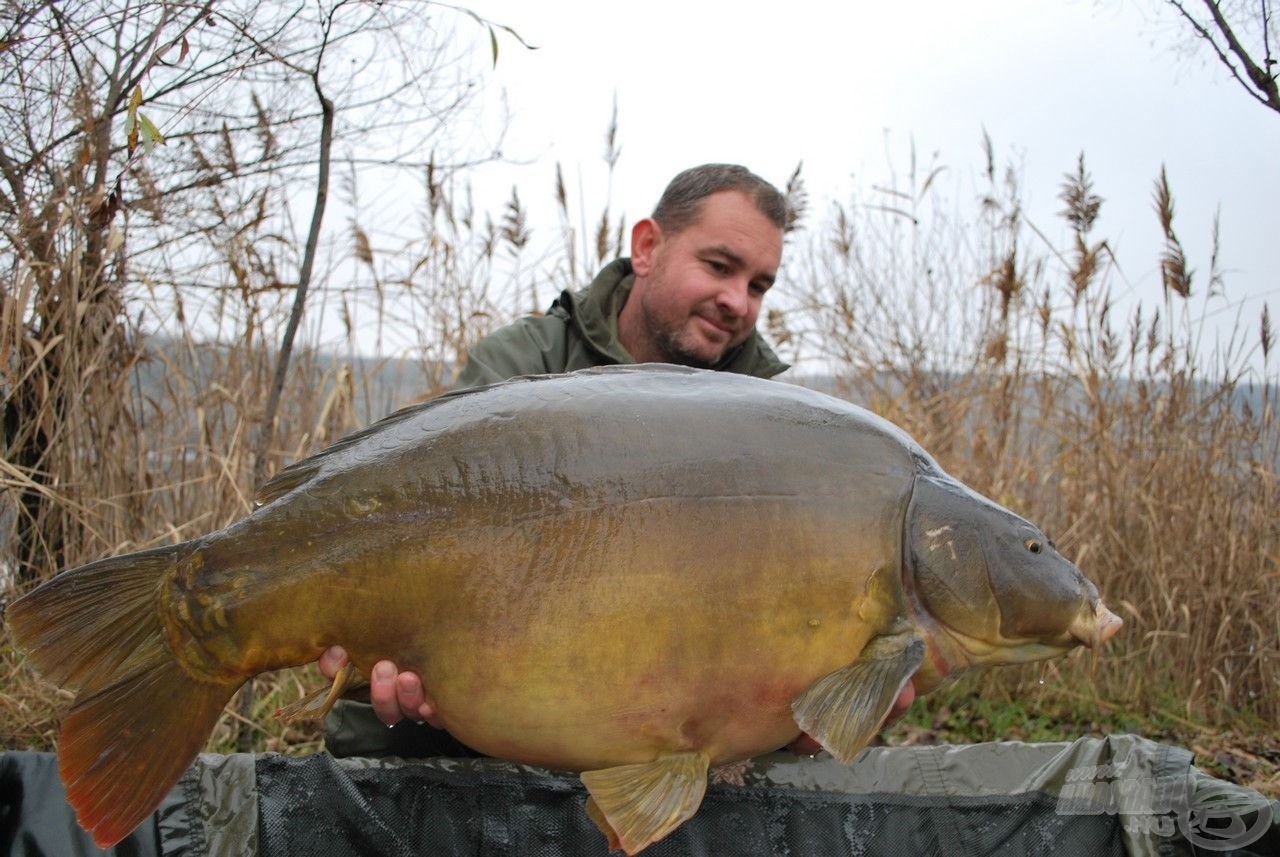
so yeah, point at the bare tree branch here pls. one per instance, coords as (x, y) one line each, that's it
(1257, 77)
(91, 232)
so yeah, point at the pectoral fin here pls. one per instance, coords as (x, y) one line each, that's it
(636, 805)
(316, 705)
(843, 709)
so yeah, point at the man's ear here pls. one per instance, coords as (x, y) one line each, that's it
(646, 235)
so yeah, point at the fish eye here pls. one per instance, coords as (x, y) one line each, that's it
(1034, 545)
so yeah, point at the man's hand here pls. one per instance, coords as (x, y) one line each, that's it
(394, 696)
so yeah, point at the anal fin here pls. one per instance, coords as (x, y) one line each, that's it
(636, 805)
(315, 705)
(843, 709)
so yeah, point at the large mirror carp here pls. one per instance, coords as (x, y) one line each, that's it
(630, 572)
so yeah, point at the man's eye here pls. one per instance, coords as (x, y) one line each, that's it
(717, 267)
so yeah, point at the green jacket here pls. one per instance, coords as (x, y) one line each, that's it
(580, 331)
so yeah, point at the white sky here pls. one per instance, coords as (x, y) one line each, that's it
(846, 88)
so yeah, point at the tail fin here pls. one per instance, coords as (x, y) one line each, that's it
(139, 718)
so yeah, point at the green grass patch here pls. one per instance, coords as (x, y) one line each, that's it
(1243, 751)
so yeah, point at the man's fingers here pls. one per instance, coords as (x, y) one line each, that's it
(333, 659)
(396, 696)
(383, 693)
(413, 700)
(906, 696)
(409, 695)
(805, 745)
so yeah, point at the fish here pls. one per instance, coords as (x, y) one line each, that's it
(632, 573)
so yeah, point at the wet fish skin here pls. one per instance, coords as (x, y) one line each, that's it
(631, 572)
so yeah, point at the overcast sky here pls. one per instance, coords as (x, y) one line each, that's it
(847, 87)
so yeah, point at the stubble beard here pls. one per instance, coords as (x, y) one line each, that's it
(674, 350)
(677, 344)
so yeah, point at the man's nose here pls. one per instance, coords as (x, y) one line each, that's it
(734, 299)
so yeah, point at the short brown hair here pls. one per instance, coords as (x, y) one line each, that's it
(682, 200)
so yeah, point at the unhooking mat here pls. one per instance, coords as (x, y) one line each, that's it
(1121, 795)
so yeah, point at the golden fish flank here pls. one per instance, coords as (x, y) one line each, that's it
(633, 572)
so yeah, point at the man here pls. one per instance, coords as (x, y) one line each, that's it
(690, 294)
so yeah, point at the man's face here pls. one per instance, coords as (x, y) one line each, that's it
(698, 291)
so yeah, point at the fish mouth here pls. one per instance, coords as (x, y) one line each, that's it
(1094, 628)
(952, 651)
